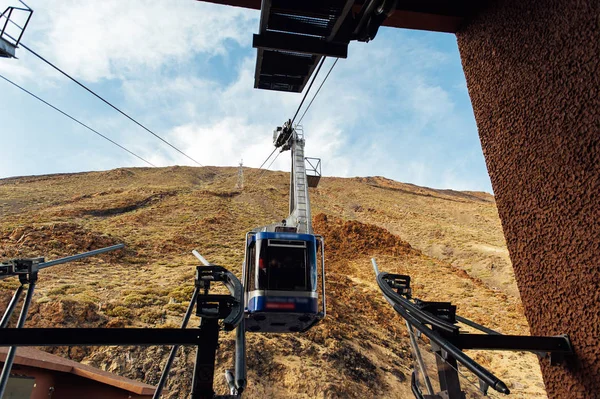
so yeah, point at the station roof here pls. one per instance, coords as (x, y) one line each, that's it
(295, 35)
(39, 359)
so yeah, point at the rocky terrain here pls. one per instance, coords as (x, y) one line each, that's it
(450, 242)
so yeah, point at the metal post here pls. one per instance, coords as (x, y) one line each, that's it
(449, 380)
(375, 267)
(204, 369)
(240, 357)
(201, 258)
(79, 256)
(415, 345)
(10, 357)
(11, 307)
(167, 368)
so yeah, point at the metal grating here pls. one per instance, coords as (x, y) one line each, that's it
(294, 36)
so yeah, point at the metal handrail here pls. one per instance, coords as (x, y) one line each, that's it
(10, 10)
(314, 167)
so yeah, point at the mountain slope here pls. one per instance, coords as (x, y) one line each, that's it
(449, 242)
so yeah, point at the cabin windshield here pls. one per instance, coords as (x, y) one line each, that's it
(283, 267)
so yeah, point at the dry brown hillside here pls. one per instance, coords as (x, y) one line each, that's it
(450, 242)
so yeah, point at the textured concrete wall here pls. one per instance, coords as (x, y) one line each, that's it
(533, 73)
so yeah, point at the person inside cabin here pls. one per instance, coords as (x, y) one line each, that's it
(262, 273)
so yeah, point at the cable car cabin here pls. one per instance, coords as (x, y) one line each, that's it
(280, 279)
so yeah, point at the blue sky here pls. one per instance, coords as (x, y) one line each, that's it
(397, 106)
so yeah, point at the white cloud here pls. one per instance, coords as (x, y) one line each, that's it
(361, 123)
(224, 142)
(118, 39)
(17, 70)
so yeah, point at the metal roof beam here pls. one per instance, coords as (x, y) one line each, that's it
(299, 44)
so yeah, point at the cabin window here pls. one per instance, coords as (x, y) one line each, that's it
(250, 271)
(283, 267)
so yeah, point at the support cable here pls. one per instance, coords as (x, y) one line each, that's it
(308, 90)
(108, 103)
(318, 90)
(22, 2)
(265, 171)
(75, 120)
(270, 155)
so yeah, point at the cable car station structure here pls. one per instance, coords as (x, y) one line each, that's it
(533, 74)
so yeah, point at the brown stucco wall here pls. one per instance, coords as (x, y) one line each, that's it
(533, 73)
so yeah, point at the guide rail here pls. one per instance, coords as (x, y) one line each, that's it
(437, 321)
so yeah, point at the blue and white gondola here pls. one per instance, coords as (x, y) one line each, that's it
(281, 281)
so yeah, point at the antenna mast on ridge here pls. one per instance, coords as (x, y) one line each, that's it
(240, 180)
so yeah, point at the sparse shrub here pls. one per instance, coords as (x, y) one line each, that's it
(54, 244)
(146, 297)
(152, 316)
(356, 207)
(137, 300)
(62, 290)
(84, 297)
(119, 311)
(176, 307)
(44, 299)
(183, 293)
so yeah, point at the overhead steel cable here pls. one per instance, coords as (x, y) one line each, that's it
(270, 155)
(73, 119)
(267, 168)
(308, 90)
(318, 90)
(108, 103)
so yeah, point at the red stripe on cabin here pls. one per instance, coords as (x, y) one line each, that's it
(279, 305)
